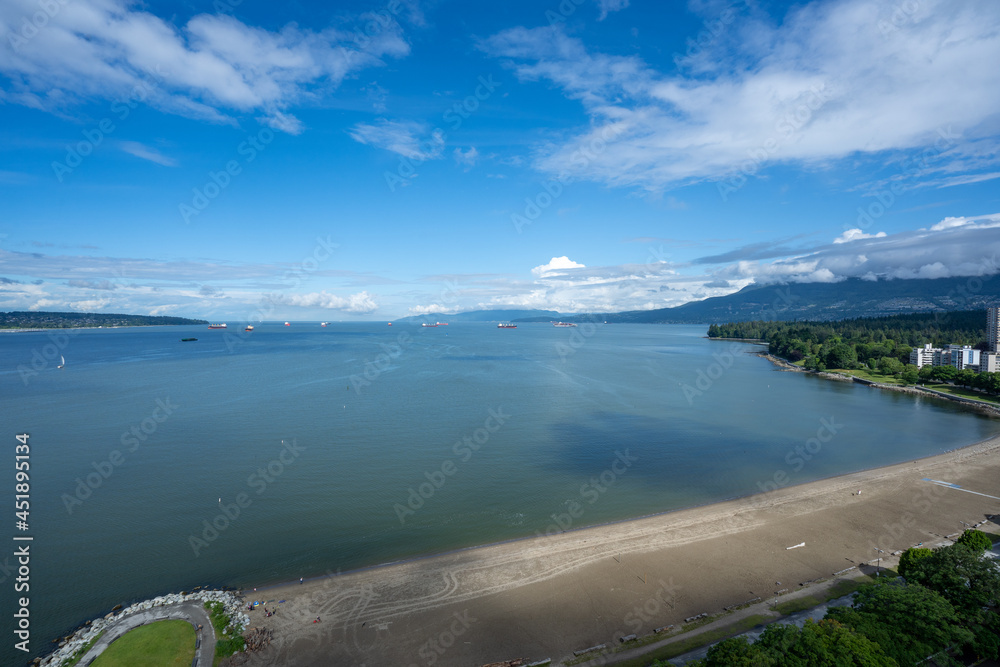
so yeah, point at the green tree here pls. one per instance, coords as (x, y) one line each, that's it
(910, 374)
(890, 366)
(910, 557)
(909, 622)
(975, 540)
(737, 652)
(962, 576)
(840, 355)
(824, 644)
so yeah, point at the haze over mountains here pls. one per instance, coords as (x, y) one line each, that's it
(794, 301)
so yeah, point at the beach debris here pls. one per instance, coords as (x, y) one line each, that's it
(540, 663)
(516, 662)
(626, 638)
(704, 614)
(599, 647)
(257, 639)
(662, 629)
(742, 604)
(796, 546)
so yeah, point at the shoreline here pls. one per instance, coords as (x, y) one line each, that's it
(973, 404)
(995, 440)
(540, 597)
(417, 590)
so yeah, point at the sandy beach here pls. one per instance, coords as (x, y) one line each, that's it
(547, 597)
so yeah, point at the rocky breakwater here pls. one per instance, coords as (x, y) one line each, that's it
(74, 643)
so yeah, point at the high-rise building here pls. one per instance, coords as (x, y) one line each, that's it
(993, 328)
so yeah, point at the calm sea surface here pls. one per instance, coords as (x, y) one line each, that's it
(398, 442)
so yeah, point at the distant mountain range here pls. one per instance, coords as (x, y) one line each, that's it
(796, 301)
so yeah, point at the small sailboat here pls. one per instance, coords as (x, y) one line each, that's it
(62, 361)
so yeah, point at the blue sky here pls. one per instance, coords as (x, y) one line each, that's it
(369, 160)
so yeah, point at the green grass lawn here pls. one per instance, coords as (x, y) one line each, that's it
(964, 393)
(157, 644)
(871, 376)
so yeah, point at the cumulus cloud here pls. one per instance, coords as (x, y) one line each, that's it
(801, 90)
(556, 266)
(425, 310)
(855, 235)
(362, 302)
(209, 68)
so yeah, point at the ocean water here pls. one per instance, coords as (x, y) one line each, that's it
(359, 444)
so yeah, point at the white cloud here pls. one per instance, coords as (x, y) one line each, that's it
(556, 266)
(146, 153)
(362, 302)
(607, 6)
(401, 137)
(468, 158)
(953, 247)
(826, 82)
(855, 235)
(209, 68)
(424, 310)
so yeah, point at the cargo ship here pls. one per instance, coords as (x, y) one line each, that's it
(506, 325)
(563, 324)
(217, 326)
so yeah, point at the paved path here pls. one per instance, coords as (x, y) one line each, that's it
(191, 611)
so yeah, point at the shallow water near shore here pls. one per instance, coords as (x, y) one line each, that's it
(358, 444)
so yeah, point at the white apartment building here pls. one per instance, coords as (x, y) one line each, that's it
(964, 356)
(924, 356)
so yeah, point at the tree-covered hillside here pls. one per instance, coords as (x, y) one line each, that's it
(45, 320)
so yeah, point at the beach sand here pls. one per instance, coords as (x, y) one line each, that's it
(546, 597)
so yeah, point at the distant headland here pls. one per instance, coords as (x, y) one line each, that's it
(47, 320)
